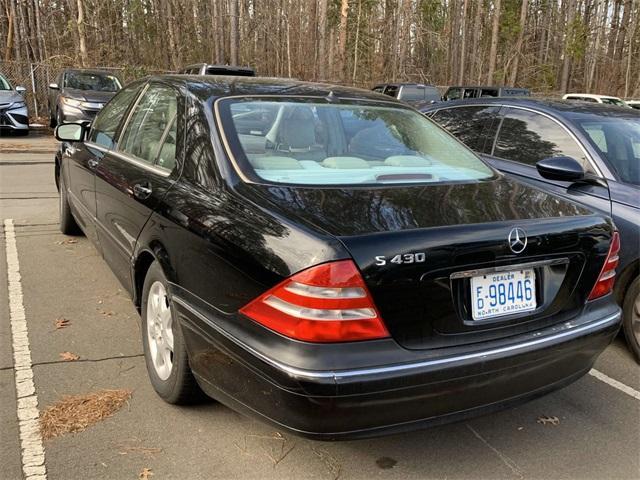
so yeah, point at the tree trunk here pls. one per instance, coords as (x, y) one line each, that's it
(495, 30)
(342, 39)
(322, 40)
(84, 57)
(523, 24)
(463, 42)
(234, 39)
(566, 61)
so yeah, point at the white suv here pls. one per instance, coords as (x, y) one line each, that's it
(588, 97)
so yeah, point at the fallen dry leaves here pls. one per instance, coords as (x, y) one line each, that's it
(69, 357)
(145, 474)
(68, 241)
(61, 323)
(546, 420)
(74, 413)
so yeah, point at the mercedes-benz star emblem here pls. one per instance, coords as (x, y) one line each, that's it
(517, 240)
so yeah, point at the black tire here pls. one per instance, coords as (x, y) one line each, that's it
(180, 387)
(68, 224)
(631, 317)
(59, 117)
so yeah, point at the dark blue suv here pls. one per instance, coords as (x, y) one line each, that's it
(587, 152)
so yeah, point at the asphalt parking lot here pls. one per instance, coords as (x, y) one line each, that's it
(589, 430)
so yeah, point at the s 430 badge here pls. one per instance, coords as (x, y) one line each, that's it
(416, 257)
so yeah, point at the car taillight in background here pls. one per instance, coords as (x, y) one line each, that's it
(607, 276)
(325, 303)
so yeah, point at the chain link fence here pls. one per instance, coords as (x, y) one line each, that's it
(36, 77)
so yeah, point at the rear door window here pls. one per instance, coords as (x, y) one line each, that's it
(104, 127)
(528, 137)
(472, 125)
(149, 125)
(412, 93)
(391, 90)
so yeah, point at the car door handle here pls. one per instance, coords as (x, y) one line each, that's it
(142, 191)
(93, 163)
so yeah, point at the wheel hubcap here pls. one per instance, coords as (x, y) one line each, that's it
(160, 330)
(635, 318)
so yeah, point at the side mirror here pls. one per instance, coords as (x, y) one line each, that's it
(21, 90)
(54, 86)
(564, 169)
(70, 132)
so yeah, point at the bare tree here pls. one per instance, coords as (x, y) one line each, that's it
(495, 30)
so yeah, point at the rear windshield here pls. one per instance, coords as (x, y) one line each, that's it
(321, 143)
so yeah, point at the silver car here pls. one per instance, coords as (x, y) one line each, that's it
(14, 115)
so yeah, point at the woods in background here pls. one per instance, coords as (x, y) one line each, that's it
(547, 45)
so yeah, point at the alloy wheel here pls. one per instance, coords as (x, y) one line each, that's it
(160, 330)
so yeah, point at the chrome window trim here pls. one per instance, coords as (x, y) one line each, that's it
(341, 374)
(586, 153)
(141, 163)
(508, 268)
(131, 159)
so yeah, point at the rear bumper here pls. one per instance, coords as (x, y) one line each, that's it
(347, 403)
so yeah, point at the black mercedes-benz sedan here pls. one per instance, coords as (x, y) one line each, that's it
(514, 135)
(331, 261)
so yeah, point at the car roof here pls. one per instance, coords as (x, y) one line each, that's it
(562, 108)
(487, 86)
(406, 84)
(216, 65)
(219, 86)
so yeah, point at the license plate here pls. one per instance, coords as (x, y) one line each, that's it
(503, 293)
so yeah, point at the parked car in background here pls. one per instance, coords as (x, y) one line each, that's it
(411, 93)
(588, 97)
(78, 94)
(517, 134)
(207, 69)
(459, 93)
(332, 261)
(633, 104)
(14, 115)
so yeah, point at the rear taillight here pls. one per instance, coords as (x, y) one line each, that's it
(607, 276)
(325, 303)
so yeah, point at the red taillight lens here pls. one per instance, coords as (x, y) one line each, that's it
(325, 303)
(607, 276)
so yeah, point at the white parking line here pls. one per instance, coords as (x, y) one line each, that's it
(33, 464)
(615, 383)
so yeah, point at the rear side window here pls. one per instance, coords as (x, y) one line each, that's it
(618, 140)
(453, 94)
(391, 90)
(471, 125)
(528, 137)
(412, 93)
(106, 123)
(150, 124)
